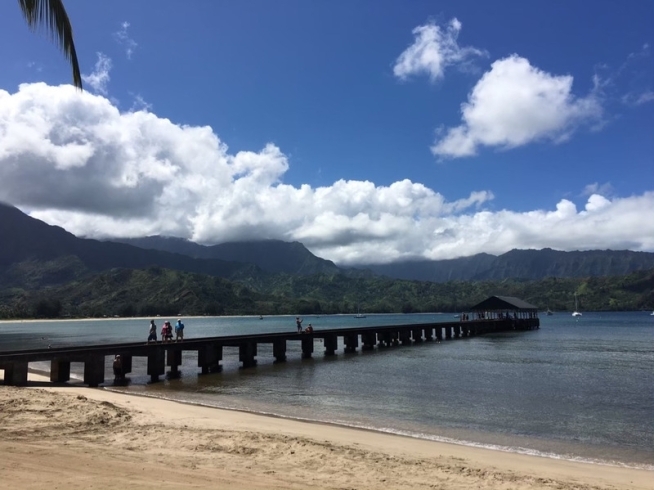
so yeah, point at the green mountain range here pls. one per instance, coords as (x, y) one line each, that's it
(48, 272)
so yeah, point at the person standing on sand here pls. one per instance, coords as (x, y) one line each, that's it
(298, 322)
(152, 334)
(179, 330)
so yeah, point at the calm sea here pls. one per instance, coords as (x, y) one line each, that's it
(575, 389)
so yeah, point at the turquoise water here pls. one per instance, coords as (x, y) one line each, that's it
(575, 389)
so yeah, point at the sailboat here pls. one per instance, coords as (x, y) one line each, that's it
(576, 312)
(549, 312)
(359, 314)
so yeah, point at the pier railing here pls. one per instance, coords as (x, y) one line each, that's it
(210, 349)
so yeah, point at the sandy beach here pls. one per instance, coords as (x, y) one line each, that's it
(76, 437)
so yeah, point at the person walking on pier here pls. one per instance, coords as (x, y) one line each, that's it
(166, 332)
(179, 330)
(298, 322)
(152, 334)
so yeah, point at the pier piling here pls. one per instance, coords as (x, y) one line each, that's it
(279, 350)
(307, 347)
(351, 342)
(209, 357)
(247, 351)
(94, 370)
(174, 360)
(59, 371)
(16, 374)
(156, 364)
(331, 344)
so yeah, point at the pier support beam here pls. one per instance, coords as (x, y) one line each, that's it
(457, 331)
(279, 350)
(247, 351)
(16, 373)
(174, 360)
(59, 371)
(351, 342)
(94, 370)
(331, 344)
(209, 357)
(417, 335)
(368, 339)
(307, 347)
(429, 334)
(405, 337)
(156, 364)
(126, 361)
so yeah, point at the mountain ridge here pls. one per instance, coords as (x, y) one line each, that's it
(527, 264)
(24, 239)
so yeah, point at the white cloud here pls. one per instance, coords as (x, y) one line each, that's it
(514, 104)
(638, 98)
(99, 77)
(73, 159)
(605, 189)
(124, 40)
(434, 49)
(140, 104)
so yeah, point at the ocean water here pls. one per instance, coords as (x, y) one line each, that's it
(580, 389)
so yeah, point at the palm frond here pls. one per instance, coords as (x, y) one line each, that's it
(51, 16)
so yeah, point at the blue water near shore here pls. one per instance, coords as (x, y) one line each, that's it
(575, 389)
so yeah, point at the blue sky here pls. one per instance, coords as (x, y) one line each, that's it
(370, 131)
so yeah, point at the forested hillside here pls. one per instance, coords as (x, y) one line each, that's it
(128, 292)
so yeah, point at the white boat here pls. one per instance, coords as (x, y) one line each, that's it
(549, 312)
(651, 314)
(359, 314)
(576, 312)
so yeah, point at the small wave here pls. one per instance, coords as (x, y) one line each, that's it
(402, 433)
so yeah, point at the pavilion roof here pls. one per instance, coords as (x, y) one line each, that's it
(504, 303)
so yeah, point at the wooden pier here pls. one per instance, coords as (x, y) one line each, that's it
(210, 349)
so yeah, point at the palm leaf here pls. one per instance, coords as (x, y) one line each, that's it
(51, 15)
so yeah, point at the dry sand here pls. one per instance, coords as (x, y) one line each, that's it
(76, 437)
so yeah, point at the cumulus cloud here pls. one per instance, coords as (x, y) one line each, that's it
(122, 37)
(434, 49)
(514, 104)
(73, 159)
(99, 77)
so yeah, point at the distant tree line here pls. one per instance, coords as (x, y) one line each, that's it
(157, 291)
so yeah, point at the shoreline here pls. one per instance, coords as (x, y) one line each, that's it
(256, 316)
(246, 450)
